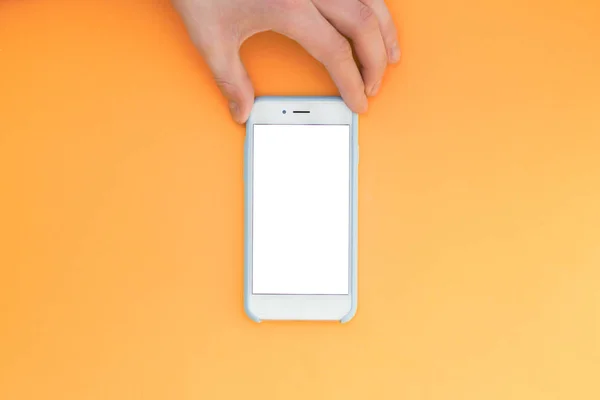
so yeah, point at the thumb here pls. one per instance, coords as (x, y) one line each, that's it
(221, 52)
(232, 79)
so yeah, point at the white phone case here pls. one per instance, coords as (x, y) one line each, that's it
(353, 205)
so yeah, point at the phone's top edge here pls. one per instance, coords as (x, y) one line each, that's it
(294, 98)
(261, 99)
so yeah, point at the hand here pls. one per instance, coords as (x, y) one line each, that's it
(219, 27)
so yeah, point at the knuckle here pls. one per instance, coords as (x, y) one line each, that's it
(342, 51)
(366, 15)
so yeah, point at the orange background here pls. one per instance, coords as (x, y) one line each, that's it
(121, 211)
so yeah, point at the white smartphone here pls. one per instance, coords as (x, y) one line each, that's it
(301, 176)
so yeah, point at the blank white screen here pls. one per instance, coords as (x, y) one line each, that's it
(301, 203)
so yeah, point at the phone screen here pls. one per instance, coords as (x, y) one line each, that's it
(301, 209)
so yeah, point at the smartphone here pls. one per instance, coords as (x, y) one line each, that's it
(301, 177)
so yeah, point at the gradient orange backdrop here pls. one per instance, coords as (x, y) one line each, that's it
(121, 211)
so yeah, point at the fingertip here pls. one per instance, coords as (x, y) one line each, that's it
(394, 53)
(234, 110)
(239, 112)
(362, 106)
(247, 109)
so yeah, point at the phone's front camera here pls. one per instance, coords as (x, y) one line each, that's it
(283, 112)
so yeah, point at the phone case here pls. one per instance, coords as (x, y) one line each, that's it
(353, 206)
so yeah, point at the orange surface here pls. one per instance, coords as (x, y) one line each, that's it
(121, 211)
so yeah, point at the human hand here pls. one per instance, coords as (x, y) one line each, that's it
(219, 27)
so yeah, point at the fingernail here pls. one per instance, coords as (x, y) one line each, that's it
(395, 53)
(235, 111)
(375, 88)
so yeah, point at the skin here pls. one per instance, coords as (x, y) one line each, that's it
(328, 29)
